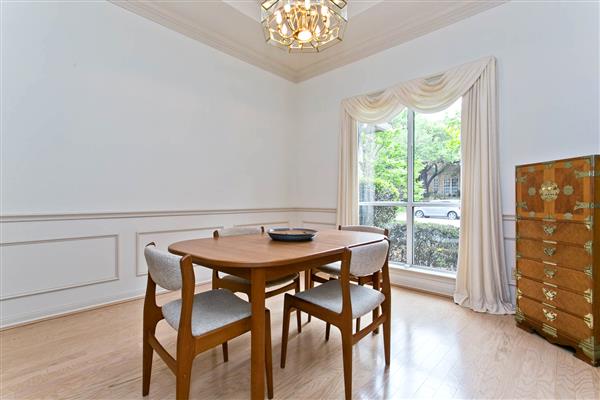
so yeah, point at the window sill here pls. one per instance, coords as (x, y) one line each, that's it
(424, 271)
(435, 282)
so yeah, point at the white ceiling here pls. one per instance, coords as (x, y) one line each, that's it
(233, 27)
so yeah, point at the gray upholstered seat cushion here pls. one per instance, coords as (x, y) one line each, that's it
(213, 309)
(334, 268)
(275, 282)
(329, 296)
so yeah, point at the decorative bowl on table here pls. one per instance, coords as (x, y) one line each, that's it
(292, 234)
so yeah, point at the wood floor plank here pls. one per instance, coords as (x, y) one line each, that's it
(439, 350)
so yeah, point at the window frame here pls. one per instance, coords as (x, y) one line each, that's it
(410, 204)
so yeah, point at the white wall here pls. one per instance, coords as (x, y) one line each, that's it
(107, 111)
(548, 71)
(103, 110)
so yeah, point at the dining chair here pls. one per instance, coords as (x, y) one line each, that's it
(202, 321)
(241, 285)
(338, 302)
(333, 270)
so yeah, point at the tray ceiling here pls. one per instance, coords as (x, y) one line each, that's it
(233, 26)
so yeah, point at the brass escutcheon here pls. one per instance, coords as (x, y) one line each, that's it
(549, 272)
(550, 294)
(549, 191)
(550, 315)
(549, 251)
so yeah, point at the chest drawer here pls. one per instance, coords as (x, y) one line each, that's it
(562, 277)
(569, 232)
(574, 256)
(577, 328)
(577, 304)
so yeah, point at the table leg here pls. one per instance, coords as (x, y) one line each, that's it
(257, 369)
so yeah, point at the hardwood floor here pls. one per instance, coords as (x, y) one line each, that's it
(439, 350)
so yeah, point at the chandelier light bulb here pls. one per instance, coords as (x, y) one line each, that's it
(307, 4)
(317, 31)
(324, 11)
(304, 35)
(278, 17)
(287, 7)
(284, 30)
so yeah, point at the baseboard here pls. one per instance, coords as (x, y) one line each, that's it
(52, 313)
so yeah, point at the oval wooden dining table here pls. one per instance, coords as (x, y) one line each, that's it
(258, 258)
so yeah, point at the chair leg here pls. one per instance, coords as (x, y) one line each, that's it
(387, 331)
(347, 358)
(184, 374)
(327, 329)
(225, 352)
(268, 356)
(285, 327)
(376, 285)
(298, 313)
(307, 284)
(147, 365)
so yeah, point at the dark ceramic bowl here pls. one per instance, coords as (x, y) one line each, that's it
(292, 234)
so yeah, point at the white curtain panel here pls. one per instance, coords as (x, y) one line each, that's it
(481, 282)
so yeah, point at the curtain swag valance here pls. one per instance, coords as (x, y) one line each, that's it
(426, 95)
(481, 281)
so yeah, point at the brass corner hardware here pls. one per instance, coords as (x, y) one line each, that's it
(521, 179)
(549, 330)
(519, 315)
(549, 294)
(584, 174)
(584, 205)
(589, 295)
(588, 247)
(589, 320)
(588, 270)
(589, 348)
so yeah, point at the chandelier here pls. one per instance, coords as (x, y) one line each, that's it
(304, 25)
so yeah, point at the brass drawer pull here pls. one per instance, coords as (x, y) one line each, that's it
(549, 272)
(549, 229)
(550, 294)
(550, 315)
(549, 251)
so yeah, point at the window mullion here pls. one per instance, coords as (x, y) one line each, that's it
(410, 184)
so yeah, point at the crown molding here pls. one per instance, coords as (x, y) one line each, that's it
(328, 61)
(394, 37)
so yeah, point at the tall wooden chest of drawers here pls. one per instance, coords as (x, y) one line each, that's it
(558, 252)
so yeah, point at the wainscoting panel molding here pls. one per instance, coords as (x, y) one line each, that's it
(55, 264)
(42, 266)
